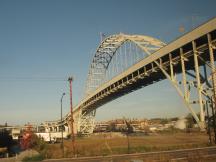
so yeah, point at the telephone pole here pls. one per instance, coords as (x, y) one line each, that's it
(70, 79)
(62, 142)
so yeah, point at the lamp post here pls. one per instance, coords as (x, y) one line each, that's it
(62, 144)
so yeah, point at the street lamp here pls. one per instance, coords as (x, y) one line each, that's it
(62, 144)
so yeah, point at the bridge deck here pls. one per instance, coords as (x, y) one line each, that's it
(146, 71)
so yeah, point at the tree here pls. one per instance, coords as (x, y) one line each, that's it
(5, 139)
(164, 121)
(111, 127)
(190, 121)
(129, 130)
(129, 127)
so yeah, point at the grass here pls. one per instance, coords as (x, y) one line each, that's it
(102, 145)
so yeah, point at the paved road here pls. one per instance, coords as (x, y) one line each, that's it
(207, 154)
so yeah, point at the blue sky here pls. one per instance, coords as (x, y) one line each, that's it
(55, 39)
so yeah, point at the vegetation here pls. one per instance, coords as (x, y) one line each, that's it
(6, 143)
(37, 143)
(40, 146)
(164, 121)
(33, 158)
(116, 143)
(5, 139)
(190, 121)
(111, 127)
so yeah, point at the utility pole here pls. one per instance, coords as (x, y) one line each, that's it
(62, 142)
(70, 79)
(127, 133)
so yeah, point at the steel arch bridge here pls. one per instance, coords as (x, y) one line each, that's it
(124, 63)
(112, 46)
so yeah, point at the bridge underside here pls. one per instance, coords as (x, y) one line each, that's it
(151, 73)
(194, 62)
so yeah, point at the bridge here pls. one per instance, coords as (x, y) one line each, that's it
(124, 63)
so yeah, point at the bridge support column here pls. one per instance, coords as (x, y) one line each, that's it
(186, 96)
(199, 87)
(86, 122)
(212, 64)
(69, 128)
(172, 79)
(185, 87)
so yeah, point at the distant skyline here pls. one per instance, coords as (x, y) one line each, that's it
(42, 43)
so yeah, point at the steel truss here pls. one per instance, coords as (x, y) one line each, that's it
(204, 86)
(108, 49)
(194, 62)
(86, 122)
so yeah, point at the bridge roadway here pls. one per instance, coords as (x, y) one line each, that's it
(146, 72)
(206, 154)
(180, 55)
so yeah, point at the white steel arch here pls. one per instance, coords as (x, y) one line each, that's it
(107, 49)
(100, 63)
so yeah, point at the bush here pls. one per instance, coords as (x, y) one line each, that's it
(33, 158)
(39, 145)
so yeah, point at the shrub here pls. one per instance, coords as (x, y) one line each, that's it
(39, 145)
(33, 158)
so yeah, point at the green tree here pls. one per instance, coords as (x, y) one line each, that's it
(164, 121)
(5, 139)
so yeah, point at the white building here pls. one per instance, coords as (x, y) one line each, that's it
(181, 123)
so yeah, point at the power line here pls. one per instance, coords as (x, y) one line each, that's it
(32, 79)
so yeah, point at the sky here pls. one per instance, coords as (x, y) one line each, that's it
(43, 42)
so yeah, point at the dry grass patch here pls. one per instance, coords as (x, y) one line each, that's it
(107, 144)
